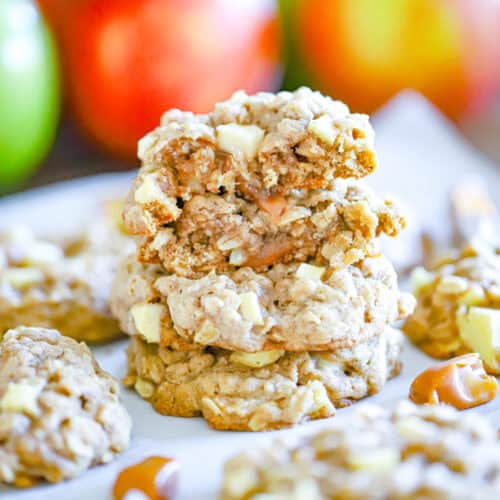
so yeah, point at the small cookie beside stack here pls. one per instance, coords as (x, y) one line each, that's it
(458, 305)
(59, 412)
(410, 452)
(62, 284)
(258, 297)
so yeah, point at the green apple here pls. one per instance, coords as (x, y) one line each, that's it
(29, 91)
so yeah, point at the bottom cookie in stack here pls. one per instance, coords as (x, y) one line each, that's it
(260, 391)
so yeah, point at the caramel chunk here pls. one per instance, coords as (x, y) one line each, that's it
(270, 252)
(460, 382)
(155, 477)
(275, 206)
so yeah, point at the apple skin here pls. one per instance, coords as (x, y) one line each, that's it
(365, 51)
(29, 92)
(128, 61)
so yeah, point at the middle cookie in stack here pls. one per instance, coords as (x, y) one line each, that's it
(258, 297)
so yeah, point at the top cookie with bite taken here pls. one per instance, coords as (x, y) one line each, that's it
(256, 147)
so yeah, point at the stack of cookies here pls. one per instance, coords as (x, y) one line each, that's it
(258, 297)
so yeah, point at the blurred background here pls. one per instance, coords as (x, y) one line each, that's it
(82, 80)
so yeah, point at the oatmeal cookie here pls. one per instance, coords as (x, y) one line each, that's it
(41, 285)
(223, 232)
(458, 305)
(410, 453)
(292, 307)
(258, 146)
(257, 392)
(59, 412)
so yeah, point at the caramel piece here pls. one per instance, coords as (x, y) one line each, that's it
(270, 253)
(460, 382)
(155, 477)
(275, 206)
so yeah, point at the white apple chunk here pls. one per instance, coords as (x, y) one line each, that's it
(147, 320)
(479, 328)
(245, 138)
(256, 359)
(308, 271)
(250, 308)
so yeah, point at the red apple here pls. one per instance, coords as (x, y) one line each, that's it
(55, 11)
(365, 51)
(127, 61)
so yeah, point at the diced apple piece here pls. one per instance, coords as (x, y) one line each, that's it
(149, 191)
(24, 277)
(162, 238)
(241, 482)
(21, 397)
(147, 319)
(250, 308)
(420, 279)
(256, 359)
(226, 243)
(308, 271)
(306, 489)
(474, 295)
(320, 396)
(479, 328)
(257, 422)
(206, 334)
(378, 460)
(144, 388)
(323, 128)
(237, 257)
(42, 252)
(330, 251)
(246, 138)
(414, 429)
(452, 285)
(294, 214)
(326, 360)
